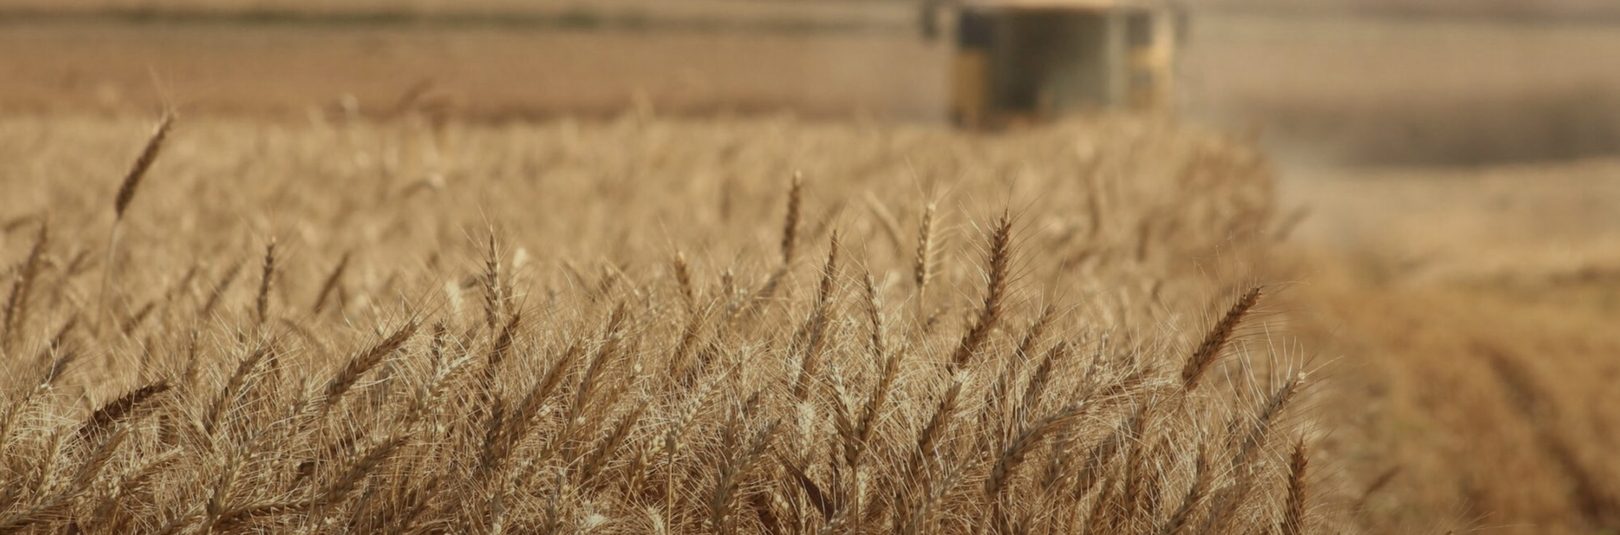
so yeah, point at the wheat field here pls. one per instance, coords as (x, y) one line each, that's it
(218, 325)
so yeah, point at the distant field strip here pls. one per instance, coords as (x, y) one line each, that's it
(572, 19)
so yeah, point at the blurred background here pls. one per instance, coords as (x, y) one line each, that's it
(1365, 82)
(1520, 87)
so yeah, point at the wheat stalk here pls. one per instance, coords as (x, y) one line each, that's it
(1293, 522)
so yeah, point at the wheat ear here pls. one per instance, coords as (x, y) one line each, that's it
(17, 304)
(332, 281)
(790, 225)
(228, 394)
(922, 269)
(1019, 449)
(1202, 479)
(998, 264)
(363, 361)
(931, 433)
(267, 277)
(218, 293)
(1210, 349)
(813, 335)
(116, 410)
(1294, 513)
(126, 194)
(1260, 428)
(683, 277)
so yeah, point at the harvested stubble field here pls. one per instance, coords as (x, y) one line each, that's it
(644, 326)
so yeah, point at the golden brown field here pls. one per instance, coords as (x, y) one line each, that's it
(343, 299)
(643, 326)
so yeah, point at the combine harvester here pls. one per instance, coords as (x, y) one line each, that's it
(1023, 61)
